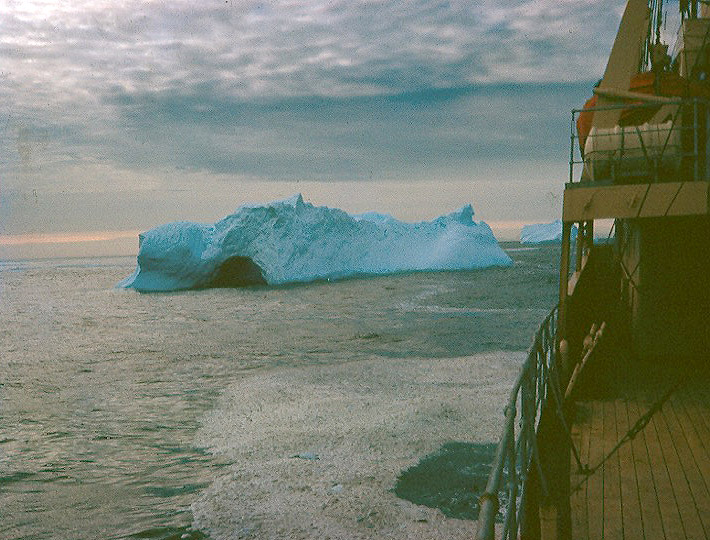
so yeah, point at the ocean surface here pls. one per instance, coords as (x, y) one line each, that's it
(112, 403)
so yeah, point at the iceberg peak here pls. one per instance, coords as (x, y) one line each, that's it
(295, 200)
(463, 215)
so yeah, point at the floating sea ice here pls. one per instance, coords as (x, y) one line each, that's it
(311, 456)
(293, 241)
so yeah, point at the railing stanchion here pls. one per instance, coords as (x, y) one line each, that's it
(696, 153)
(512, 509)
(571, 149)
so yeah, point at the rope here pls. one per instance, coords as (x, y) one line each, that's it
(622, 249)
(640, 424)
(561, 415)
(551, 383)
(612, 230)
(674, 198)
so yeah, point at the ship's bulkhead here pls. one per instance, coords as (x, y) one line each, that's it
(666, 285)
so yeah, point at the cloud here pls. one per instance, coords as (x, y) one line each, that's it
(84, 67)
(415, 135)
(75, 53)
(353, 138)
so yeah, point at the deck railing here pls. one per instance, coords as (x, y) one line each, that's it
(517, 450)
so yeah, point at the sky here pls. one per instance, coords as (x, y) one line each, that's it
(117, 116)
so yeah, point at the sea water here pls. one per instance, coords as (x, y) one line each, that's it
(122, 415)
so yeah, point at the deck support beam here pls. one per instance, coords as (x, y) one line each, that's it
(630, 201)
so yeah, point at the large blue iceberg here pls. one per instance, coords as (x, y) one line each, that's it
(544, 233)
(293, 241)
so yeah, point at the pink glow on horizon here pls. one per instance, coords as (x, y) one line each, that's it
(65, 237)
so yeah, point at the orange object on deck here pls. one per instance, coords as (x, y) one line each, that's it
(666, 84)
(584, 122)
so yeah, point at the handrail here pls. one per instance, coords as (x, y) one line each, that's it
(516, 455)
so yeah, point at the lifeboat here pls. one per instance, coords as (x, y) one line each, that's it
(626, 151)
(585, 120)
(648, 140)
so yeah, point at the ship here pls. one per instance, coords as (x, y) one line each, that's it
(606, 433)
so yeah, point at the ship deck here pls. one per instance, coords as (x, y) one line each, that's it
(657, 485)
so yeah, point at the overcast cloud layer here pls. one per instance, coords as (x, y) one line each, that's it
(118, 96)
(82, 51)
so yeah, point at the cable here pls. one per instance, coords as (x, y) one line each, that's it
(640, 424)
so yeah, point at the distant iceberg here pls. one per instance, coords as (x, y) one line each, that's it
(544, 233)
(293, 241)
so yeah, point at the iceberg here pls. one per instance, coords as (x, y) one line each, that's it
(544, 233)
(292, 241)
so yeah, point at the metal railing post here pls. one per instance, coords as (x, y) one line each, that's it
(512, 509)
(696, 153)
(571, 149)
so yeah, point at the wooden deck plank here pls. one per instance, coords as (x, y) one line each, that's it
(700, 392)
(631, 503)
(697, 412)
(613, 510)
(696, 443)
(693, 462)
(584, 457)
(679, 479)
(687, 405)
(657, 485)
(650, 507)
(670, 513)
(578, 498)
(595, 483)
